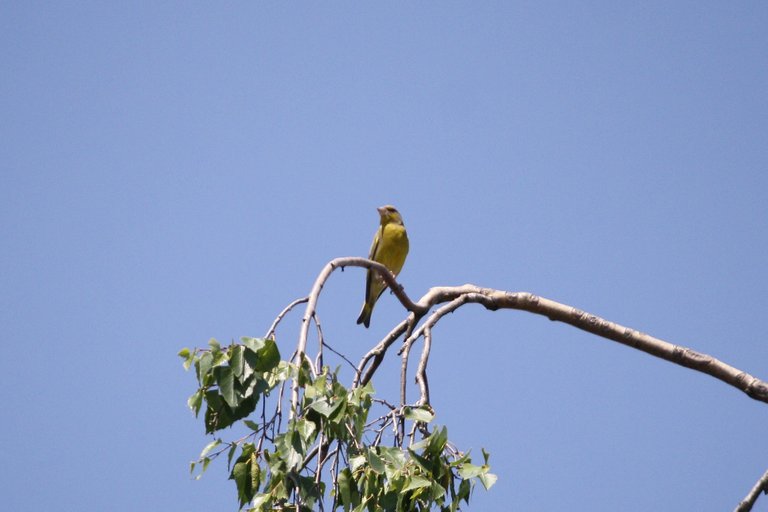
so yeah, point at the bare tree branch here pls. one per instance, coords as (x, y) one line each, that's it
(377, 353)
(683, 356)
(320, 342)
(271, 331)
(342, 356)
(499, 299)
(421, 371)
(749, 501)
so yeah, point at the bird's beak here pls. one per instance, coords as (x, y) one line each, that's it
(381, 210)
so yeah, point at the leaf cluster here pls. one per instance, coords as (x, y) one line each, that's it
(232, 380)
(329, 449)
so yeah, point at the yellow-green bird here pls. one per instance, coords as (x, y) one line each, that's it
(390, 247)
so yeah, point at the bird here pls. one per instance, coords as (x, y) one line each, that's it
(390, 247)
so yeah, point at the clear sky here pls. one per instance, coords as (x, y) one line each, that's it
(176, 171)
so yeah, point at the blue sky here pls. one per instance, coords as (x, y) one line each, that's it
(176, 171)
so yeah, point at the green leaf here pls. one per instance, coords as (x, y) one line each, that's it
(418, 414)
(243, 474)
(417, 482)
(262, 502)
(269, 356)
(215, 345)
(305, 429)
(423, 462)
(219, 415)
(438, 491)
(255, 387)
(321, 406)
(226, 382)
(392, 456)
(326, 408)
(376, 463)
(356, 462)
(486, 455)
(310, 491)
(305, 374)
(188, 357)
(465, 490)
(231, 454)
(471, 471)
(254, 344)
(394, 498)
(252, 425)
(348, 494)
(461, 460)
(259, 355)
(488, 479)
(255, 473)
(236, 361)
(437, 442)
(289, 448)
(203, 366)
(434, 444)
(277, 487)
(210, 446)
(195, 401)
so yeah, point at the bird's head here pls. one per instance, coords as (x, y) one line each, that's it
(389, 214)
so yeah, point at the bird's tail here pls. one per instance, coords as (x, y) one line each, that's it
(365, 315)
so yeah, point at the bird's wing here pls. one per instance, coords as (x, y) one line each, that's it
(372, 256)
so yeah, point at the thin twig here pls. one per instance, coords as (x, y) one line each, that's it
(279, 408)
(384, 403)
(320, 342)
(320, 456)
(383, 419)
(273, 328)
(350, 363)
(335, 477)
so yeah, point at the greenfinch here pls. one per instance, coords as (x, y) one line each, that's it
(390, 247)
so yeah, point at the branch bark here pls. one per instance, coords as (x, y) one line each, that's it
(749, 501)
(494, 300)
(680, 355)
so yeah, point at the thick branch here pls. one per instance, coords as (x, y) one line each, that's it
(683, 356)
(498, 299)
